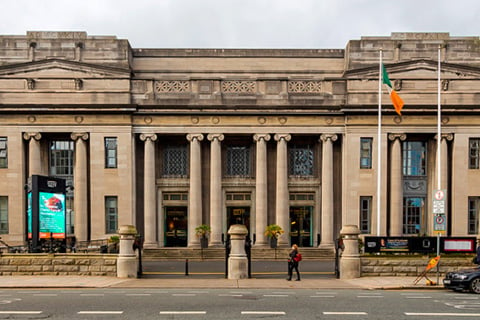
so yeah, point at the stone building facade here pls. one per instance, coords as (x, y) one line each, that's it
(168, 139)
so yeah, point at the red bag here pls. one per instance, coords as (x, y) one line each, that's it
(298, 257)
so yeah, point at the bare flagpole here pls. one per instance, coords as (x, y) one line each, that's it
(379, 145)
(439, 127)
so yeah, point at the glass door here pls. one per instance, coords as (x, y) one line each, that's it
(176, 226)
(238, 215)
(301, 226)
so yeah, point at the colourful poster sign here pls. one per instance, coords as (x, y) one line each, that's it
(51, 215)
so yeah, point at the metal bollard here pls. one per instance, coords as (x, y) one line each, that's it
(186, 267)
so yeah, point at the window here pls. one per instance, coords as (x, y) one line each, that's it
(473, 207)
(365, 214)
(3, 215)
(366, 153)
(412, 215)
(238, 161)
(111, 214)
(175, 161)
(474, 153)
(414, 158)
(61, 159)
(301, 161)
(110, 152)
(3, 152)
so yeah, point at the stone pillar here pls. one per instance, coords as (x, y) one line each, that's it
(282, 195)
(261, 193)
(34, 152)
(216, 189)
(350, 264)
(80, 196)
(127, 265)
(396, 185)
(237, 260)
(149, 203)
(195, 191)
(327, 190)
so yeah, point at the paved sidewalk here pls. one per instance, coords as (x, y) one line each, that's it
(370, 283)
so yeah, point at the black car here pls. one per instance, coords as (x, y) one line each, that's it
(468, 279)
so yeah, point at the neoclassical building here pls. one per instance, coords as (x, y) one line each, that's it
(168, 139)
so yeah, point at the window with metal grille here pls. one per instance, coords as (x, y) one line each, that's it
(474, 153)
(175, 161)
(3, 152)
(238, 161)
(414, 158)
(61, 159)
(3, 215)
(110, 152)
(366, 153)
(365, 213)
(473, 207)
(412, 215)
(111, 214)
(301, 160)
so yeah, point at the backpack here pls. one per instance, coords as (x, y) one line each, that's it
(298, 257)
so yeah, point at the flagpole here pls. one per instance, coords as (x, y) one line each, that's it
(379, 145)
(439, 130)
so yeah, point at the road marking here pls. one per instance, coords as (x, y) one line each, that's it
(241, 292)
(99, 312)
(230, 295)
(430, 314)
(183, 312)
(346, 313)
(21, 312)
(275, 295)
(138, 294)
(278, 313)
(322, 296)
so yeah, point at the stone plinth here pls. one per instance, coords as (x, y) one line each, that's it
(127, 266)
(350, 260)
(237, 260)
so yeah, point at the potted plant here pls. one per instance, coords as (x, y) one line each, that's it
(202, 231)
(272, 231)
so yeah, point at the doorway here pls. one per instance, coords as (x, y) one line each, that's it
(238, 215)
(301, 226)
(176, 226)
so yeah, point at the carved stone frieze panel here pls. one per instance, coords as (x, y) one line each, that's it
(239, 86)
(414, 186)
(304, 86)
(172, 86)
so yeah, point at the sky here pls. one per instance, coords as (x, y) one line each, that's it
(322, 24)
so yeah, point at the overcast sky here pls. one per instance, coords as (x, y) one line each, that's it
(241, 23)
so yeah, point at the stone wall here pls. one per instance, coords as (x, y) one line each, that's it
(59, 264)
(410, 265)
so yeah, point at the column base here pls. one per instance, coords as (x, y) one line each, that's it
(150, 245)
(326, 246)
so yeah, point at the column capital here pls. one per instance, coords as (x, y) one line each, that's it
(445, 136)
(329, 136)
(148, 136)
(394, 136)
(79, 135)
(194, 136)
(282, 136)
(213, 136)
(32, 135)
(261, 136)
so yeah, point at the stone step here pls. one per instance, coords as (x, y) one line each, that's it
(219, 253)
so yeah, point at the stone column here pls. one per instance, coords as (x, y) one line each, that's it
(396, 184)
(80, 196)
(149, 183)
(261, 199)
(237, 260)
(282, 195)
(327, 190)
(34, 152)
(195, 191)
(216, 189)
(127, 265)
(350, 266)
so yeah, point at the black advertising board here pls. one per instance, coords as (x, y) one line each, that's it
(419, 244)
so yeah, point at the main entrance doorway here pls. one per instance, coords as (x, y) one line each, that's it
(301, 226)
(238, 215)
(176, 226)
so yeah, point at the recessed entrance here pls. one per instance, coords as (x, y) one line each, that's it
(301, 226)
(176, 226)
(238, 215)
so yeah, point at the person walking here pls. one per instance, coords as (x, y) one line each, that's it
(293, 261)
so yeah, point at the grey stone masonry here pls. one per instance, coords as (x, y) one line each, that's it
(77, 264)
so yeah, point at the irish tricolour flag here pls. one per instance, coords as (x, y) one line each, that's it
(396, 100)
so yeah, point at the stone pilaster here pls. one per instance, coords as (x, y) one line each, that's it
(34, 152)
(216, 188)
(149, 203)
(195, 191)
(80, 202)
(261, 197)
(396, 184)
(327, 190)
(282, 195)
